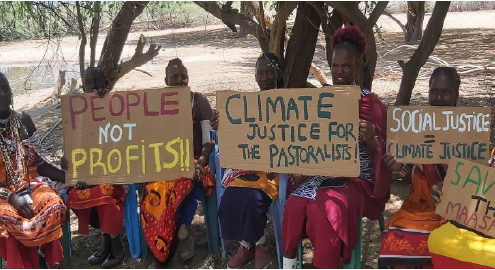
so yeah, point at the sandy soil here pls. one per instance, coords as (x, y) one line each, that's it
(218, 60)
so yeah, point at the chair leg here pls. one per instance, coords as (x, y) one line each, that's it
(356, 252)
(381, 221)
(66, 246)
(211, 213)
(277, 226)
(300, 255)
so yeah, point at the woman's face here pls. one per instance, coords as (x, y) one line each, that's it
(177, 76)
(266, 75)
(93, 80)
(442, 91)
(343, 66)
(5, 94)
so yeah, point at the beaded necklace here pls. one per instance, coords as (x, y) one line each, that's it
(12, 150)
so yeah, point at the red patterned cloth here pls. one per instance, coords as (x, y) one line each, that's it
(108, 200)
(159, 207)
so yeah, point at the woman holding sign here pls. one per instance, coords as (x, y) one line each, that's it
(31, 213)
(454, 245)
(411, 225)
(102, 206)
(329, 209)
(249, 194)
(168, 207)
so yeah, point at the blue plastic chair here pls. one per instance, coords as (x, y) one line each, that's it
(276, 210)
(132, 223)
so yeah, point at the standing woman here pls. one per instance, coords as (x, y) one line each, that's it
(31, 213)
(329, 209)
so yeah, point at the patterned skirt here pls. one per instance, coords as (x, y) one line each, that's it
(44, 227)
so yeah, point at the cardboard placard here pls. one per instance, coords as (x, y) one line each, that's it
(469, 195)
(128, 137)
(310, 131)
(433, 135)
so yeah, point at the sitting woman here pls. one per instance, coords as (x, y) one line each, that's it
(249, 194)
(329, 209)
(168, 207)
(453, 245)
(31, 213)
(102, 206)
(404, 243)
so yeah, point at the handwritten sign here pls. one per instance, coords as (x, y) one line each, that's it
(469, 195)
(128, 137)
(434, 135)
(304, 131)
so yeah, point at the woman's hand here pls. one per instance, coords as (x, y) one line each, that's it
(299, 178)
(366, 130)
(22, 206)
(82, 185)
(102, 92)
(199, 171)
(214, 121)
(271, 175)
(391, 162)
(436, 192)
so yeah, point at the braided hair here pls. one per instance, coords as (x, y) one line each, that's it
(449, 72)
(350, 36)
(275, 63)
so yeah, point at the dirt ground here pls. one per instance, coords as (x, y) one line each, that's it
(218, 60)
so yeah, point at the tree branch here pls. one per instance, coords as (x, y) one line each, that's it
(138, 59)
(377, 12)
(233, 16)
(277, 35)
(84, 40)
(418, 59)
(55, 13)
(386, 13)
(93, 36)
(431, 36)
(117, 36)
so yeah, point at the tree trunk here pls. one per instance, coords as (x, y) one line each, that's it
(84, 40)
(116, 38)
(335, 22)
(57, 90)
(415, 17)
(246, 12)
(301, 46)
(420, 56)
(277, 34)
(93, 38)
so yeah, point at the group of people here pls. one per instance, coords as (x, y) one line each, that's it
(325, 209)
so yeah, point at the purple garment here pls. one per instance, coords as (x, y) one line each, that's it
(242, 213)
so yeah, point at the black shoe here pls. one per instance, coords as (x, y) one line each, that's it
(97, 258)
(112, 261)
